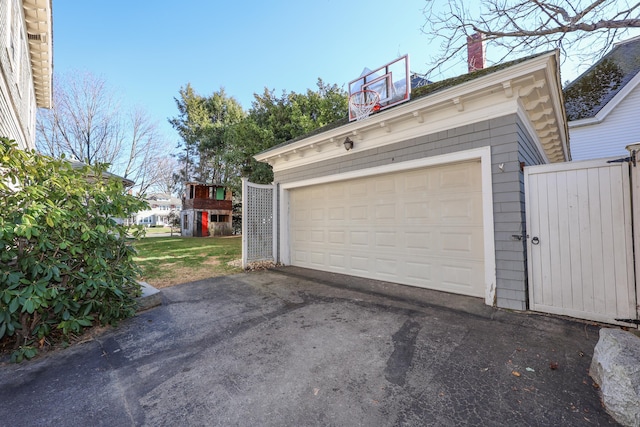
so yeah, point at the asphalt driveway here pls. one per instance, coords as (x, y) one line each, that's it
(292, 347)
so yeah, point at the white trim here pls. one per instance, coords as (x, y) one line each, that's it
(567, 166)
(532, 133)
(482, 153)
(609, 106)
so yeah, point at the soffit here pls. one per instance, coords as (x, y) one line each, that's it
(38, 20)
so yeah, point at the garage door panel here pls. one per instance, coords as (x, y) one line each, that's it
(462, 278)
(419, 273)
(457, 177)
(469, 244)
(337, 261)
(337, 213)
(386, 267)
(421, 227)
(386, 239)
(419, 241)
(360, 265)
(463, 209)
(358, 189)
(385, 185)
(359, 238)
(385, 212)
(359, 213)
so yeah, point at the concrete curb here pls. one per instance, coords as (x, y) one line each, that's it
(151, 297)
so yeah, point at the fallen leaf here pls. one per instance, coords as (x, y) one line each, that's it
(315, 391)
(553, 365)
(530, 370)
(515, 373)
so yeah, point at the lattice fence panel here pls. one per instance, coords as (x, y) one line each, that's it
(258, 218)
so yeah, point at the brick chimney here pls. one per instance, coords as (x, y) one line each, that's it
(475, 52)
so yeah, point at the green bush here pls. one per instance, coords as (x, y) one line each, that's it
(66, 262)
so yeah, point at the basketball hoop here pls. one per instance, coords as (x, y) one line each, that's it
(363, 103)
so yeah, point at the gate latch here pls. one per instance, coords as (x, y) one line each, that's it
(535, 240)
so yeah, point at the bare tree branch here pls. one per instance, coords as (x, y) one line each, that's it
(86, 124)
(517, 27)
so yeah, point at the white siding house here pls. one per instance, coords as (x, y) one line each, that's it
(603, 105)
(160, 206)
(26, 58)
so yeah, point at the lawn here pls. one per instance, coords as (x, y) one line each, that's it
(168, 261)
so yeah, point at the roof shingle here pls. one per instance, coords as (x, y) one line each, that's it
(592, 90)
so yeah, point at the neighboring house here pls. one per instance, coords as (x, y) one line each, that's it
(160, 206)
(26, 67)
(207, 210)
(126, 183)
(603, 104)
(430, 192)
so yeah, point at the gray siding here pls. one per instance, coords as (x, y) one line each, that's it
(510, 144)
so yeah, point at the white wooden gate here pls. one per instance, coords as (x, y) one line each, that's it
(579, 240)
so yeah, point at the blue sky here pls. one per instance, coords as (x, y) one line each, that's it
(146, 50)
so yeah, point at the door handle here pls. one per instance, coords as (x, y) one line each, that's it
(535, 241)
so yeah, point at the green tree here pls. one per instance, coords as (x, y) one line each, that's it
(66, 262)
(276, 119)
(244, 140)
(201, 123)
(220, 140)
(291, 115)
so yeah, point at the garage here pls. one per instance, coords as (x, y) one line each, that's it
(428, 192)
(421, 227)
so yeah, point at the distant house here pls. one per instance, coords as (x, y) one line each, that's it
(207, 210)
(26, 67)
(160, 206)
(603, 104)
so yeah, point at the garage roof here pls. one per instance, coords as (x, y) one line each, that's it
(529, 86)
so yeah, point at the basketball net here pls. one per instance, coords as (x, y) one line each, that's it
(363, 103)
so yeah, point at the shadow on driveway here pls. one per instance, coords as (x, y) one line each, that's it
(293, 347)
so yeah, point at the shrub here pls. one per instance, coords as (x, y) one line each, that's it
(66, 262)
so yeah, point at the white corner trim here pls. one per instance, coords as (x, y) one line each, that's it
(490, 279)
(483, 154)
(608, 108)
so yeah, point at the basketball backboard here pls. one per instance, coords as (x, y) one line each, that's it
(390, 82)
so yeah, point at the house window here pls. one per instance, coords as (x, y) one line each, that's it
(218, 218)
(191, 190)
(220, 193)
(185, 222)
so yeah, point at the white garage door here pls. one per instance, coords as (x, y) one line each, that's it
(421, 227)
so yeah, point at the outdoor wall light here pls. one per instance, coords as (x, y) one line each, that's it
(348, 144)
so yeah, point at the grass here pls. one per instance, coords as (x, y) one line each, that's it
(154, 230)
(168, 261)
